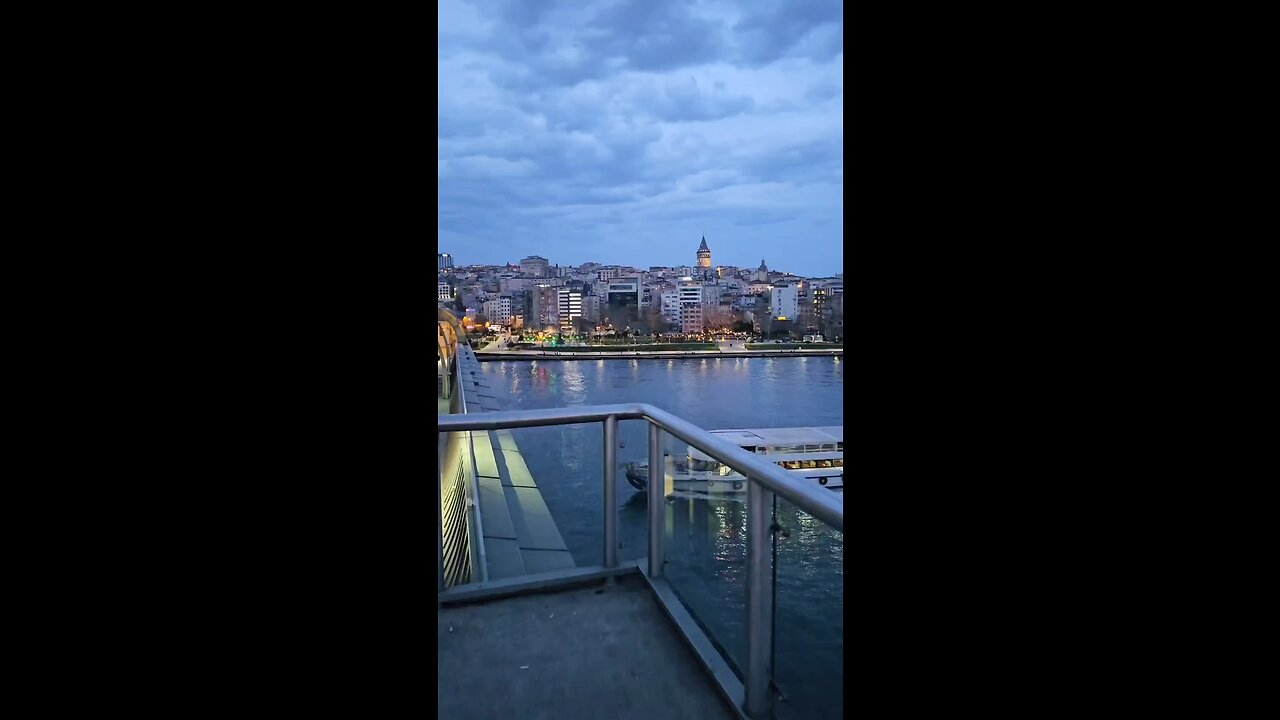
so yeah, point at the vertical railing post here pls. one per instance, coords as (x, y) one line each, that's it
(657, 502)
(440, 510)
(611, 491)
(759, 599)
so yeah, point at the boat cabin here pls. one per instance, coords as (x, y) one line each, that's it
(790, 448)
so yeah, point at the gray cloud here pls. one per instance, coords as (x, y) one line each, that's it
(809, 27)
(616, 131)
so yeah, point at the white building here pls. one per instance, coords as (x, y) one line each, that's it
(442, 292)
(671, 306)
(498, 310)
(784, 303)
(570, 306)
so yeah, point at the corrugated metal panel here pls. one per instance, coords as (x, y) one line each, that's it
(453, 503)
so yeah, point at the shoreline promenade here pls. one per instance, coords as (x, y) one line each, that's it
(650, 354)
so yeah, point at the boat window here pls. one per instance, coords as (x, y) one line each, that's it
(828, 447)
(838, 462)
(840, 446)
(750, 448)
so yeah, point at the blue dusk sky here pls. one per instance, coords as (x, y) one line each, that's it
(622, 132)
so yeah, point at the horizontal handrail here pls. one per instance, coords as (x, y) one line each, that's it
(816, 501)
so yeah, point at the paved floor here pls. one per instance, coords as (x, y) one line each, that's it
(590, 652)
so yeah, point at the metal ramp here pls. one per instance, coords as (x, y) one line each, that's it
(519, 536)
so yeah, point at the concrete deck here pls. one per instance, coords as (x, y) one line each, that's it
(591, 652)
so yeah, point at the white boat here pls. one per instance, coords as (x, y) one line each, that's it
(811, 454)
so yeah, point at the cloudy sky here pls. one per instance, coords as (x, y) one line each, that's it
(623, 131)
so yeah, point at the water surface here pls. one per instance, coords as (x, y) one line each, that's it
(706, 544)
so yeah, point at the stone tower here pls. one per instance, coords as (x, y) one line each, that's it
(704, 254)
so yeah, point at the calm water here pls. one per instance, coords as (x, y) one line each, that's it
(706, 543)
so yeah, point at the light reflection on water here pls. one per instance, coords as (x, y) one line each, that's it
(706, 545)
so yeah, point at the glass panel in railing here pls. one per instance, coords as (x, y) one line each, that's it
(540, 498)
(706, 545)
(565, 463)
(808, 614)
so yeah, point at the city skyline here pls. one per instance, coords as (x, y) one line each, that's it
(624, 133)
(715, 263)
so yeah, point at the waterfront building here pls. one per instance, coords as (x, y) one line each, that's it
(690, 306)
(624, 293)
(498, 310)
(837, 317)
(541, 307)
(671, 306)
(711, 294)
(784, 302)
(591, 308)
(570, 309)
(821, 302)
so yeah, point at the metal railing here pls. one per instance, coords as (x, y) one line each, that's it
(765, 480)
